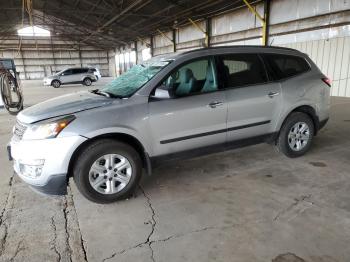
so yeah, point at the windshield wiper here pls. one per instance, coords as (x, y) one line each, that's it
(98, 92)
(106, 94)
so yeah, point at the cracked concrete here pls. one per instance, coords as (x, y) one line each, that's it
(73, 232)
(5, 222)
(147, 242)
(297, 207)
(153, 223)
(250, 204)
(53, 241)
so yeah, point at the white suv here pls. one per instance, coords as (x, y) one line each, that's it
(174, 107)
(83, 76)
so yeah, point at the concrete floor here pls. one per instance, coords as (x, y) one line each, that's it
(251, 204)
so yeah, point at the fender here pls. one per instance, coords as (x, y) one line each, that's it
(121, 130)
(304, 103)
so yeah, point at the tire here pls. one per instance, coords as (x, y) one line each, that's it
(85, 175)
(293, 131)
(87, 82)
(56, 83)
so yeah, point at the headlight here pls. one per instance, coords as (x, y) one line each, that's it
(48, 129)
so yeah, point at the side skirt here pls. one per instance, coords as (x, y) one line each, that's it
(159, 160)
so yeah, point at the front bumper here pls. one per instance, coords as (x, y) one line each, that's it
(50, 156)
(55, 186)
(47, 82)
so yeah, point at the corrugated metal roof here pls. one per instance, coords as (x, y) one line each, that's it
(108, 23)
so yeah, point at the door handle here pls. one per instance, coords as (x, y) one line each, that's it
(215, 104)
(272, 94)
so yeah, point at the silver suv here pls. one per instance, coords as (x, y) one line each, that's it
(178, 106)
(67, 76)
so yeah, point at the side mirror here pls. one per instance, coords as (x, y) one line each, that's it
(161, 93)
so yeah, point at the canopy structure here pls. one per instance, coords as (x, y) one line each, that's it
(106, 23)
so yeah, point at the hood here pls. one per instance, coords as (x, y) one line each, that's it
(51, 76)
(63, 105)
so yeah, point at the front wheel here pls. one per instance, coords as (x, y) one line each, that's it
(296, 135)
(56, 83)
(107, 171)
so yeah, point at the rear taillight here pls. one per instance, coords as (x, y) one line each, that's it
(327, 81)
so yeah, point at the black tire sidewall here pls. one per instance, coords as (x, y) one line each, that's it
(283, 144)
(84, 81)
(91, 154)
(56, 81)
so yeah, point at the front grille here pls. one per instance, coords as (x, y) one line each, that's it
(18, 131)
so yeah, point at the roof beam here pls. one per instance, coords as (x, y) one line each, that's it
(114, 18)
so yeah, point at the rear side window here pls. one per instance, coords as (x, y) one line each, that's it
(284, 66)
(76, 71)
(236, 70)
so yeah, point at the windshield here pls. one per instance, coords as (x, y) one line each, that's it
(60, 72)
(133, 79)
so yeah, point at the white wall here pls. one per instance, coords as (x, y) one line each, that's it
(39, 58)
(333, 58)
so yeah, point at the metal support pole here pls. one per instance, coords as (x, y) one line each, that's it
(168, 38)
(208, 26)
(143, 41)
(267, 21)
(24, 66)
(125, 67)
(262, 20)
(151, 45)
(174, 40)
(120, 63)
(136, 52)
(202, 30)
(53, 55)
(81, 63)
(108, 63)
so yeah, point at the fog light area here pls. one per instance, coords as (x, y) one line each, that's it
(32, 168)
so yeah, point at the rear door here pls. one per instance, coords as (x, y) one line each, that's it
(254, 103)
(195, 117)
(78, 74)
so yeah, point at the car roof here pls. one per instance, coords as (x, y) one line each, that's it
(69, 68)
(226, 49)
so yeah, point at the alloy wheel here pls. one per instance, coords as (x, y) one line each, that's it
(110, 173)
(299, 136)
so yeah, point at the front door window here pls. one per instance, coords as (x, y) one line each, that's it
(193, 78)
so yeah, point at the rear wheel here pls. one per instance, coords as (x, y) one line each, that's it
(296, 135)
(87, 82)
(107, 171)
(56, 83)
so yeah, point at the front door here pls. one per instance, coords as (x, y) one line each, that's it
(67, 76)
(195, 114)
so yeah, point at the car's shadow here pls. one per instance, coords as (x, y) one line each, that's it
(238, 160)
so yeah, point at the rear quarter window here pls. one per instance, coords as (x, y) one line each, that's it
(284, 66)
